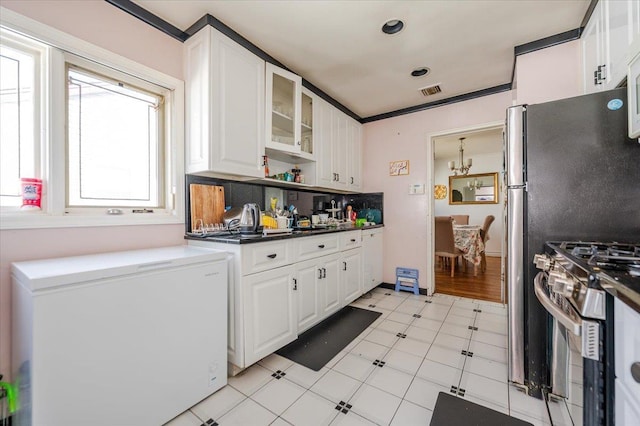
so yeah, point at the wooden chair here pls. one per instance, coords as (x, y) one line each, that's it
(484, 234)
(445, 245)
(460, 219)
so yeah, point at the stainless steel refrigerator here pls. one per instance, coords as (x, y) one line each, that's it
(571, 173)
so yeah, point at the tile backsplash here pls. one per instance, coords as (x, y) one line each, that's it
(307, 202)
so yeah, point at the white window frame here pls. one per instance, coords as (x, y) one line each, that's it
(53, 135)
(38, 54)
(157, 169)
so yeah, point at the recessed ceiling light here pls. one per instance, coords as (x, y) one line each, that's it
(419, 72)
(392, 26)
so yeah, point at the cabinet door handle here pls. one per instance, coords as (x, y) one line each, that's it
(344, 266)
(272, 256)
(321, 246)
(298, 143)
(635, 371)
(352, 180)
(324, 273)
(353, 240)
(319, 273)
(602, 72)
(295, 284)
(338, 180)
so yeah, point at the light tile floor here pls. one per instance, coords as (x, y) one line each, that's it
(389, 375)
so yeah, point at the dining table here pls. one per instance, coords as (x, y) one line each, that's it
(467, 238)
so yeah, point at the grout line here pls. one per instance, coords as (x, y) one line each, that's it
(384, 355)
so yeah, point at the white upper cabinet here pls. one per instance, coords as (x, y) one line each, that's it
(354, 155)
(619, 40)
(307, 112)
(338, 149)
(239, 109)
(224, 106)
(323, 126)
(289, 115)
(605, 44)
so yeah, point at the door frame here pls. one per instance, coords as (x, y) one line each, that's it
(431, 283)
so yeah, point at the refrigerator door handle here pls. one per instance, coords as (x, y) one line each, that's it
(515, 281)
(514, 146)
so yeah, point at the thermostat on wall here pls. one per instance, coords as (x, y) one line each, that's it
(416, 188)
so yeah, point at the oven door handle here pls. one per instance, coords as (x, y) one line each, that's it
(564, 319)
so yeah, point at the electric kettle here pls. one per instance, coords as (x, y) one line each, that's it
(249, 219)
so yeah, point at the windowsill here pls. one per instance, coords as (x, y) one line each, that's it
(39, 220)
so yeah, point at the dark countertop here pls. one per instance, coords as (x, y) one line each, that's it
(236, 238)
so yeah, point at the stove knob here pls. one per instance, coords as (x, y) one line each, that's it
(568, 287)
(555, 275)
(560, 283)
(542, 262)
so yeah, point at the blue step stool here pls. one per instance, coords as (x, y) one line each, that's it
(407, 279)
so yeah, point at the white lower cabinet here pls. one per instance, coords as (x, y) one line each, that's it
(270, 312)
(281, 288)
(318, 290)
(308, 277)
(351, 275)
(329, 289)
(372, 253)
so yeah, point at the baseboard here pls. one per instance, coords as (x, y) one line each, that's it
(423, 291)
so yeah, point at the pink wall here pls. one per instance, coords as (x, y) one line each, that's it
(108, 27)
(104, 25)
(549, 74)
(541, 76)
(406, 138)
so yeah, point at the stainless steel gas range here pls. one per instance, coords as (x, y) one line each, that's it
(573, 286)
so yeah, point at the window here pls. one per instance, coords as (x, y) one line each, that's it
(115, 140)
(19, 117)
(104, 133)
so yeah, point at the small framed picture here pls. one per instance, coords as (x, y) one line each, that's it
(399, 168)
(440, 192)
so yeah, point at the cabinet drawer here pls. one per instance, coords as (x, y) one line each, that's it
(262, 256)
(310, 247)
(350, 239)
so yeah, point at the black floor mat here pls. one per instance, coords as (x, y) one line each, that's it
(318, 345)
(453, 411)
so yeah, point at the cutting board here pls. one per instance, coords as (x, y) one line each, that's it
(207, 203)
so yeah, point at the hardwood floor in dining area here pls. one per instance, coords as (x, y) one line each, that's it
(485, 286)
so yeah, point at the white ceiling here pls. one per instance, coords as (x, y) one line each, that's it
(338, 46)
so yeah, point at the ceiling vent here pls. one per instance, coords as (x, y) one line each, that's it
(431, 90)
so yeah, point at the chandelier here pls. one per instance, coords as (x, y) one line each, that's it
(464, 167)
(474, 184)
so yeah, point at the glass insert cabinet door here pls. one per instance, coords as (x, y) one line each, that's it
(289, 114)
(306, 123)
(283, 109)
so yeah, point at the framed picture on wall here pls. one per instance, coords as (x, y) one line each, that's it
(399, 168)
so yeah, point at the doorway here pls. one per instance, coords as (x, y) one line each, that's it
(474, 276)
